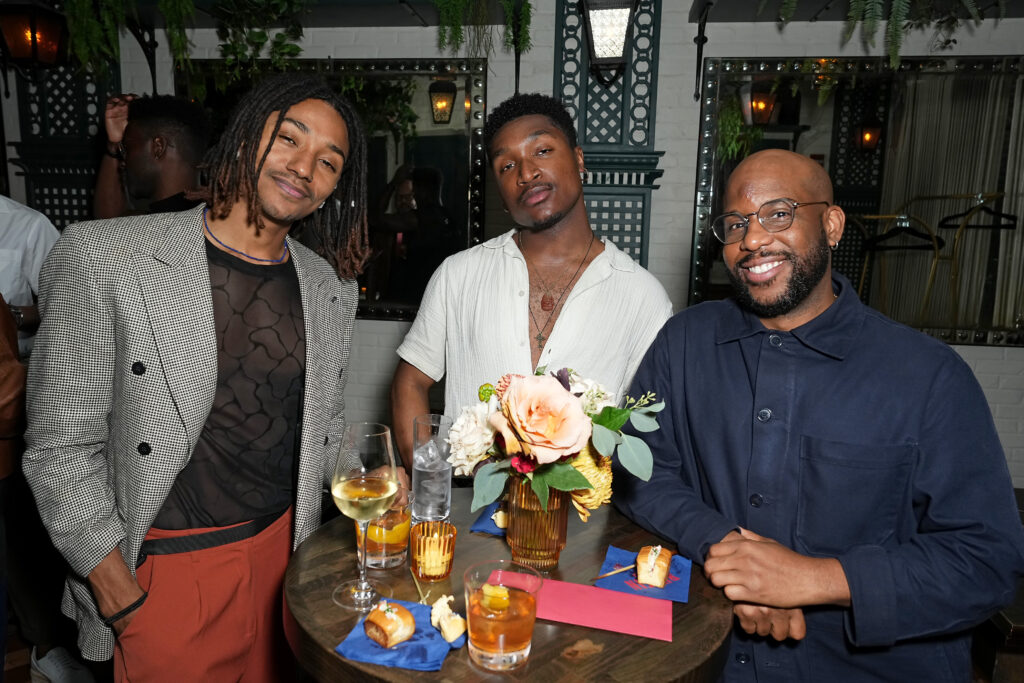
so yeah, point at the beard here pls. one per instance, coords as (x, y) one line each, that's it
(807, 273)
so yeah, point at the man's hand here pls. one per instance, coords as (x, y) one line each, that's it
(115, 117)
(114, 588)
(754, 569)
(780, 624)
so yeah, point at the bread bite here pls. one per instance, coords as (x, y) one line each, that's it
(652, 564)
(450, 624)
(389, 624)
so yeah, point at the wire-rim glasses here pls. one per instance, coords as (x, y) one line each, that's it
(774, 215)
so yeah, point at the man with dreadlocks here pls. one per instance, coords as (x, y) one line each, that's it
(548, 294)
(185, 396)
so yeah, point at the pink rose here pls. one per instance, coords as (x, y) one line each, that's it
(540, 419)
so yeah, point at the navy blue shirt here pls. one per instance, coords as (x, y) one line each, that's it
(851, 437)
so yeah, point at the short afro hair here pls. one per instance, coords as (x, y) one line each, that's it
(182, 121)
(529, 104)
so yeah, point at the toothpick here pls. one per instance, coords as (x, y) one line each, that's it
(419, 590)
(617, 571)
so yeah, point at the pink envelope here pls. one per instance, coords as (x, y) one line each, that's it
(636, 615)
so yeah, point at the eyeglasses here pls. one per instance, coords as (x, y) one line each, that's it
(775, 216)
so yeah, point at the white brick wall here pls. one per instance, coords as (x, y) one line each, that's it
(1001, 371)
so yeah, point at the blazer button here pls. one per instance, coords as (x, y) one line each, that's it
(138, 368)
(144, 448)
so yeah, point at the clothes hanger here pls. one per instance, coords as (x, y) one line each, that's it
(1000, 221)
(903, 225)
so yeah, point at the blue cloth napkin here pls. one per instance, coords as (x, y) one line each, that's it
(677, 585)
(485, 524)
(425, 651)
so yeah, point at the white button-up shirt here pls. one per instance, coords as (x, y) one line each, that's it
(26, 237)
(473, 324)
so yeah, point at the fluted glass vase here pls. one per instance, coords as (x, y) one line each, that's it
(536, 536)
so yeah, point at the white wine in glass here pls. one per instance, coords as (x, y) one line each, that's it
(364, 485)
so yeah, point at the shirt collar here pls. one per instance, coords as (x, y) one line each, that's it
(832, 333)
(611, 258)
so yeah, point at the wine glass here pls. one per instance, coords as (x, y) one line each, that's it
(364, 486)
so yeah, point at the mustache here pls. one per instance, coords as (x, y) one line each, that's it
(746, 260)
(530, 188)
(292, 180)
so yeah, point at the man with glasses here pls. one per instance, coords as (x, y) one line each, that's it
(838, 474)
(154, 147)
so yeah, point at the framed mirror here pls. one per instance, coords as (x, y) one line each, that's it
(425, 176)
(927, 162)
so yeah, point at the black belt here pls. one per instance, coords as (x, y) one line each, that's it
(209, 539)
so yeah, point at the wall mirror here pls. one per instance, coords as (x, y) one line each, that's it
(426, 166)
(927, 161)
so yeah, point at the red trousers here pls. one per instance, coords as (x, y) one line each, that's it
(211, 615)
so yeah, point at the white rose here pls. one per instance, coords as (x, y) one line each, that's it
(471, 436)
(593, 395)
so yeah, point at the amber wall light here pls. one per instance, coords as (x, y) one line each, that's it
(32, 34)
(442, 100)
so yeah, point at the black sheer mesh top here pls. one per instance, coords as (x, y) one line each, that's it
(243, 466)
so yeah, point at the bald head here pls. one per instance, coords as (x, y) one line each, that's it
(806, 179)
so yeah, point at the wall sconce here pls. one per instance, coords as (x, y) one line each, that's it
(442, 100)
(757, 102)
(867, 136)
(32, 34)
(607, 24)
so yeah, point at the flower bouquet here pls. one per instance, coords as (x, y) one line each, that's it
(557, 431)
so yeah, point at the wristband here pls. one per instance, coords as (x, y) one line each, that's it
(114, 618)
(112, 155)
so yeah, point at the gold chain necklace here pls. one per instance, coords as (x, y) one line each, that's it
(554, 308)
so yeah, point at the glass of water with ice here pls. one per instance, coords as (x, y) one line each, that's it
(431, 471)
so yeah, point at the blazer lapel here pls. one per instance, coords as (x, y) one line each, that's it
(175, 283)
(310, 472)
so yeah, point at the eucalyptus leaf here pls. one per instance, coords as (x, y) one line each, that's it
(562, 476)
(488, 484)
(635, 456)
(612, 418)
(643, 422)
(604, 439)
(540, 487)
(653, 408)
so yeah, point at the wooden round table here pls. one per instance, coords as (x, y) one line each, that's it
(700, 628)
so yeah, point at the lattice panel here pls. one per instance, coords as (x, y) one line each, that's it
(852, 167)
(59, 118)
(621, 114)
(621, 220)
(604, 113)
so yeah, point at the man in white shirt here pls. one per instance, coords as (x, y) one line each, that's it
(550, 294)
(26, 237)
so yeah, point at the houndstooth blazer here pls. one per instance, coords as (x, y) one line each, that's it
(123, 377)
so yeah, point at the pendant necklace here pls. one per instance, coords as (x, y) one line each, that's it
(552, 304)
(242, 253)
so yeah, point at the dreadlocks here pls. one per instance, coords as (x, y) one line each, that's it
(235, 163)
(528, 104)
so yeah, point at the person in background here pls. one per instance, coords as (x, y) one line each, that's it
(26, 237)
(34, 570)
(185, 401)
(838, 474)
(153, 150)
(549, 294)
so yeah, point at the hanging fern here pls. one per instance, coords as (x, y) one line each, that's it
(178, 15)
(93, 29)
(520, 23)
(904, 16)
(468, 23)
(250, 43)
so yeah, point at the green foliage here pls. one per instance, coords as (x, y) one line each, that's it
(635, 455)
(904, 17)
(735, 138)
(93, 29)
(467, 23)
(489, 483)
(611, 418)
(556, 475)
(517, 27)
(384, 107)
(178, 15)
(250, 43)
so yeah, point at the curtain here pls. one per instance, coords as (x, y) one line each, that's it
(948, 135)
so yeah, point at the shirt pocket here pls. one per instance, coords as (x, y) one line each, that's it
(850, 494)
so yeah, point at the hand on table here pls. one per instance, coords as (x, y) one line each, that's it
(754, 569)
